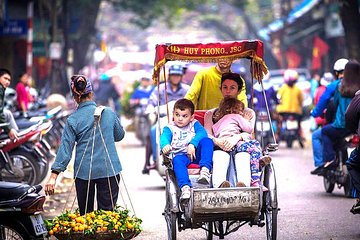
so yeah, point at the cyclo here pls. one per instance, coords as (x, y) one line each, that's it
(219, 211)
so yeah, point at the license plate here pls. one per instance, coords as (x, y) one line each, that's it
(38, 224)
(291, 124)
(263, 126)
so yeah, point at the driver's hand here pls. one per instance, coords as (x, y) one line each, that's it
(13, 134)
(191, 152)
(166, 149)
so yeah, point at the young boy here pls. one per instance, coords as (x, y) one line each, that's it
(187, 139)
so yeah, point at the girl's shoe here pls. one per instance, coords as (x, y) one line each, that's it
(225, 184)
(240, 184)
(265, 160)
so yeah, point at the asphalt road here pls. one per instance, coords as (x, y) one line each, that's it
(307, 211)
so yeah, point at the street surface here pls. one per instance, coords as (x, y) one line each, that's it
(307, 211)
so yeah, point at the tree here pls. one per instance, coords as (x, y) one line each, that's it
(350, 17)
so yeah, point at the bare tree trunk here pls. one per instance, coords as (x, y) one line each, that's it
(350, 17)
(87, 32)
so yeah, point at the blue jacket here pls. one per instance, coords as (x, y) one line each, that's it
(180, 138)
(78, 132)
(341, 104)
(325, 98)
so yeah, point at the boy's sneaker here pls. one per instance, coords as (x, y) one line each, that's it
(204, 177)
(185, 193)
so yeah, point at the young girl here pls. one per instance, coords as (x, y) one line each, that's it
(231, 119)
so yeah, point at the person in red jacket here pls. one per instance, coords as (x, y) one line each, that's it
(22, 93)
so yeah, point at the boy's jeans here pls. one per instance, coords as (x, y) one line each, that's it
(204, 155)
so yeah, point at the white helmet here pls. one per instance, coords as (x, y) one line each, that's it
(326, 79)
(339, 65)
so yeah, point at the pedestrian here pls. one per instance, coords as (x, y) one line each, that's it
(5, 79)
(106, 94)
(96, 167)
(204, 90)
(22, 93)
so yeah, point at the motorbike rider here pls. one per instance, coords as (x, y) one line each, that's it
(138, 101)
(5, 79)
(143, 91)
(325, 103)
(175, 89)
(291, 99)
(271, 98)
(270, 93)
(352, 120)
(320, 122)
(332, 133)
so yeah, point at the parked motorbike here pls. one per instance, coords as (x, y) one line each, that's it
(339, 174)
(290, 129)
(20, 207)
(21, 160)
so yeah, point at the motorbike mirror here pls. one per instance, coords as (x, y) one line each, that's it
(272, 147)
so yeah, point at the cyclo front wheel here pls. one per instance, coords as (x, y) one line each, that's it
(270, 201)
(170, 216)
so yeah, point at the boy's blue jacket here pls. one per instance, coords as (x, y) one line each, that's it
(180, 138)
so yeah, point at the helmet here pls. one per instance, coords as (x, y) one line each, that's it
(290, 76)
(326, 79)
(176, 70)
(339, 65)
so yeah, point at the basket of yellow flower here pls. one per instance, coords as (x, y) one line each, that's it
(99, 225)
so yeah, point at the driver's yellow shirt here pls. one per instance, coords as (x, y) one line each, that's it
(205, 90)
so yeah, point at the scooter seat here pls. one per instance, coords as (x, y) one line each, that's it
(11, 191)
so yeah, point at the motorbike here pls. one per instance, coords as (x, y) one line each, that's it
(290, 129)
(141, 121)
(22, 160)
(263, 131)
(339, 174)
(20, 211)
